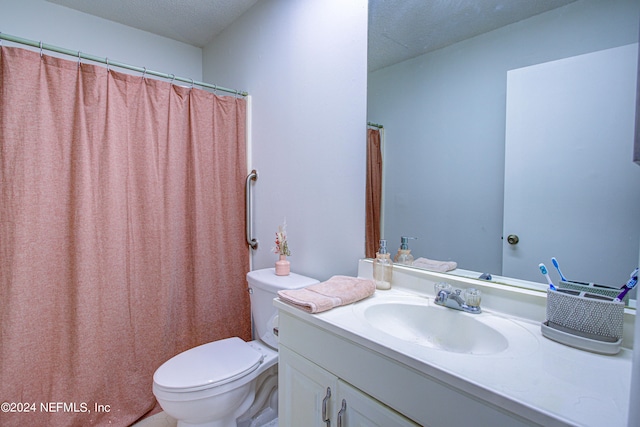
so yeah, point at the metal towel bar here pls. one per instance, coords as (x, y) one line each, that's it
(253, 176)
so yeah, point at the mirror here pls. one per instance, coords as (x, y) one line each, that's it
(443, 108)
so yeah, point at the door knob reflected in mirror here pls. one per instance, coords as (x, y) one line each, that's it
(513, 239)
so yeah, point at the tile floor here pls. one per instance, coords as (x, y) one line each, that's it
(158, 420)
(163, 420)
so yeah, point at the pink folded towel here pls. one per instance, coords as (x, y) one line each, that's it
(337, 291)
(433, 265)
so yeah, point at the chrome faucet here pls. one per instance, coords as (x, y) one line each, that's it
(468, 301)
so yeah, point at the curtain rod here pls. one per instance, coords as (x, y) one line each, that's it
(109, 63)
(375, 125)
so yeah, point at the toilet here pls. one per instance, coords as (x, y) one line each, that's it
(230, 382)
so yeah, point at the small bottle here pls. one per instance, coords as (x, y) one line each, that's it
(382, 267)
(404, 253)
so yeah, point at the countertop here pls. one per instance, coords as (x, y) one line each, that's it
(548, 382)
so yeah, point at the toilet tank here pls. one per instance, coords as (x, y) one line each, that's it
(263, 288)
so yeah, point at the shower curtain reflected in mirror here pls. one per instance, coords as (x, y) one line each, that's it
(374, 192)
(121, 234)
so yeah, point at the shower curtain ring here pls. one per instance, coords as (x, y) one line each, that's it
(191, 83)
(144, 73)
(40, 49)
(79, 58)
(173, 78)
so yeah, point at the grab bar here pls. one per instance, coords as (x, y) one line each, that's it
(253, 176)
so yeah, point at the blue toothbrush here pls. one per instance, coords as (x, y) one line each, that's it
(633, 281)
(544, 271)
(557, 266)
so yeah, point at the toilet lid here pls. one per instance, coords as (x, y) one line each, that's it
(208, 365)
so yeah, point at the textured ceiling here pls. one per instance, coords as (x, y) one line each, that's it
(403, 29)
(398, 29)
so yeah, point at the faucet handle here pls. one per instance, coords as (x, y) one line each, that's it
(472, 297)
(442, 286)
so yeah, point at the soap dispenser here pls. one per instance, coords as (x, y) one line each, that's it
(382, 267)
(404, 253)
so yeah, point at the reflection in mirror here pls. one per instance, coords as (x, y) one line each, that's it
(444, 113)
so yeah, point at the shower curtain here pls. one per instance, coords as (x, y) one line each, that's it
(374, 192)
(121, 236)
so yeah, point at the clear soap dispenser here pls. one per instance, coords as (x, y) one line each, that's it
(404, 253)
(382, 267)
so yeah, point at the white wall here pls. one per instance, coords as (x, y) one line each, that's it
(40, 20)
(444, 118)
(304, 63)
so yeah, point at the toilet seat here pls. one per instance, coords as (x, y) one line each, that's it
(209, 365)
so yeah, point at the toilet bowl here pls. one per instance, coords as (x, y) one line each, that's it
(218, 383)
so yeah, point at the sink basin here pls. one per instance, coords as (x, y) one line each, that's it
(435, 327)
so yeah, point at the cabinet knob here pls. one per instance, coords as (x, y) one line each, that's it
(513, 239)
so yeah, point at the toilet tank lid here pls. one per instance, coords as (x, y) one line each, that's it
(209, 365)
(268, 280)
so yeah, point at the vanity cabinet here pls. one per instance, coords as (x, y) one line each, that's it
(322, 362)
(312, 396)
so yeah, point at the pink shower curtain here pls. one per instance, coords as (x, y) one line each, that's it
(121, 236)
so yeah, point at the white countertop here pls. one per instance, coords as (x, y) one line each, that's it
(554, 383)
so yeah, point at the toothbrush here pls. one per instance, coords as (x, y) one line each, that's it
(557, 266)
(544, 271)
(633, 281)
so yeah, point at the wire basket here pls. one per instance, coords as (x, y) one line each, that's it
(584, 320)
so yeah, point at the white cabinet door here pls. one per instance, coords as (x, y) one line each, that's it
(305, 392)
(357, 409)
(311, 396)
